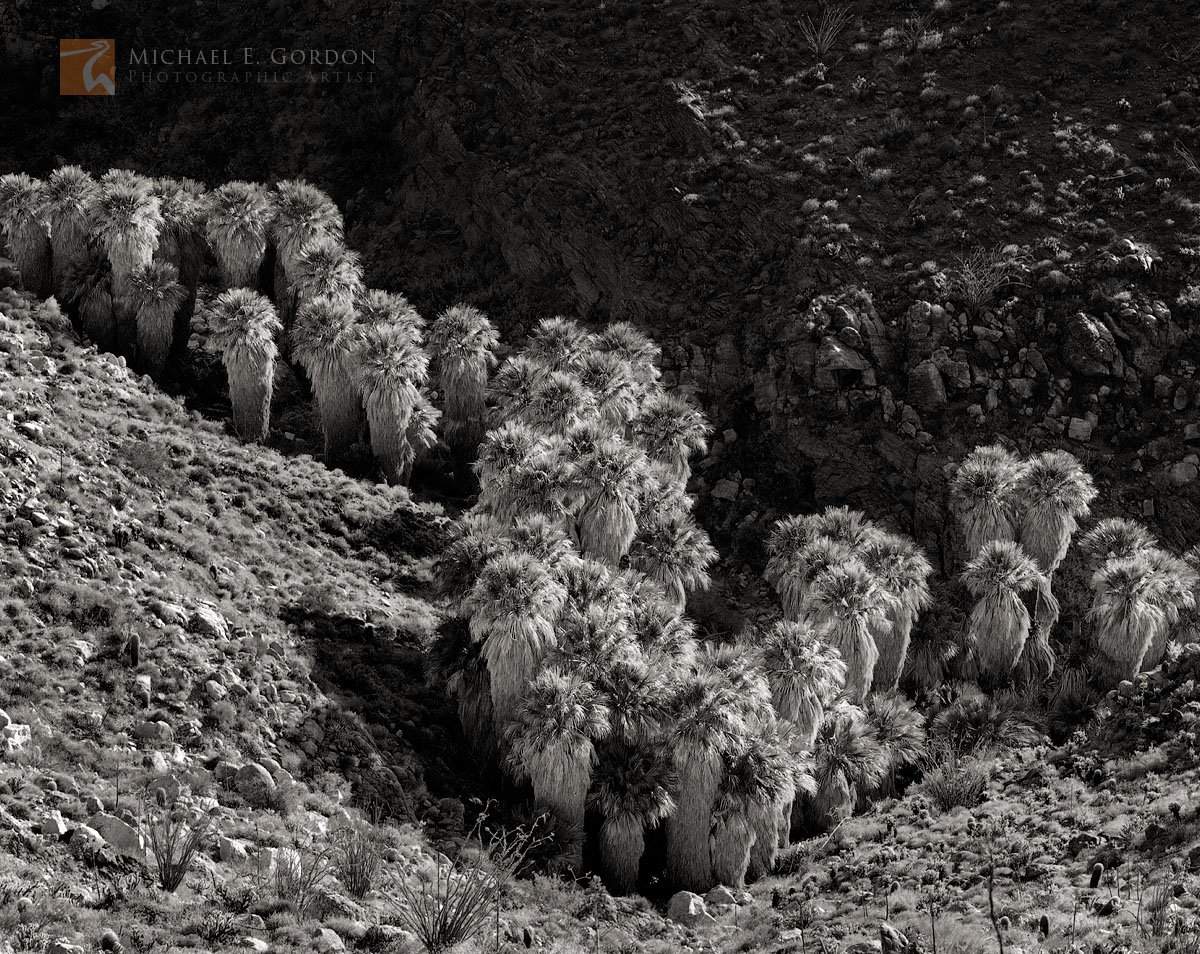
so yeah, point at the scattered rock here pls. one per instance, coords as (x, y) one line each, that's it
(926, 391)
(208, 622)
(725, 489)
(1185, 472)
(720, 895)
(158, 731)
(53, 825)
(328, 941)
(123, 838)
(253, 782)
(688, 909)
(1079, 429)
(231, 850)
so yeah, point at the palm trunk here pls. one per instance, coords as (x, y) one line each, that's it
(388, 423)
(833, 803)
(69, 249)
(1156, 651)
(854, 641)
(563, 790)
(984, 523)
(689, 852)
(1046, 536)
(1000, 624)
(765, 824)
(155, 327)
(892, 641)
(30, 245)
(733, 840)
(622, 844)
(606, 530)
(98, 319)
(251, 385)
(338, 404)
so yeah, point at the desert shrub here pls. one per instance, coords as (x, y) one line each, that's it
(357, 859)
(301, 876)
(978, 278)
(455, 899)
(175, 839)
(951, 780)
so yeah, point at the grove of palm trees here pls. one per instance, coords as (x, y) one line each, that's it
(629, 478)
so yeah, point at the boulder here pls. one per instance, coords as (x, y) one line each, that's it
(53, 825)
(16, 736)
(231, 850)
(1079, 429)
(153, 732)
(838, 366)
(689, 910)
(926, 391)
(720, 895)
(253, 782)
(123, 838)
(1089, 347)
(86, 837)
(328, 941)
(208, 622)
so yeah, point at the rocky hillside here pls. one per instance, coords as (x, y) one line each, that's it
(961, 224)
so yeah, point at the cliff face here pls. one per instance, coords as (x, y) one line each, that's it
(862, 267)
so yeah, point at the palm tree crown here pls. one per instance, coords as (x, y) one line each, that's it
(626, 342)
(559, 344)
(1055, 492)
(242, 326)
(670, 430)
(238, 218)
(983, 496)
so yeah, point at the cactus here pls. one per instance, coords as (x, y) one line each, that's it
(1044, 926)
(111, 943)
(1005, 924)
(135, 649)
(1097, 874)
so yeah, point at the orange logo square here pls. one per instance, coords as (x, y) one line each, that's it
(87, 67)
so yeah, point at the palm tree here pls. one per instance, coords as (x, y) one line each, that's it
(127, 219)
(632, 790)
(325, 340)
(239, 217)
(637, 697)
(846, 606)
(607, 518)
(156, 295)
(390, 371)
(847, 757)
(843, 525)
(559, 405)
(88, 286)
(1037, 661)
(512, 609)
(302, 213)
(758, 779)
(423, 425)
(181, 243)
(788, 536)
(900, 730)
(902, 571)
(23, 218)
(737, 665)
(325, 268)
(518, 476)
(456, 660)
(463, 342)
(999, 623)
(559, 344)
(1189, 625)
(1055, 492)
(1127, 613)
(675, 553)
(983, 496)
(805, 675)
(1177, 584)
(1114, 538)
(610, 378)
(706, 725)
(667, 639)
(594, 641)
(627, 343)
(478, 538)
(660, 493)
(243, 326)
(513, 386)
(541, 538)
(670, 430)
(553, 734)
(804, 569)
(69, 195)
(378, 307)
